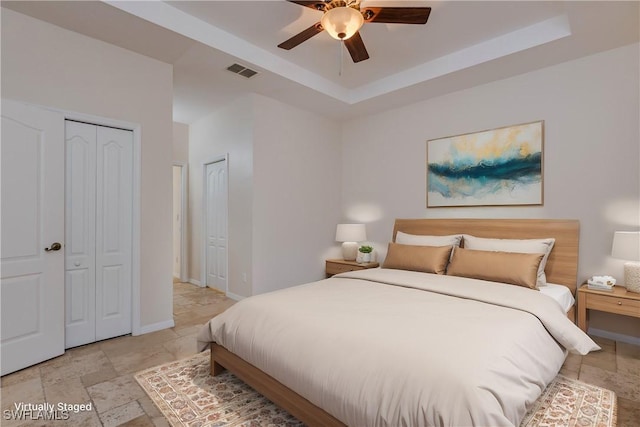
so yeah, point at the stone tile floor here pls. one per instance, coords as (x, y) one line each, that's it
(102, 373)
(616, 367)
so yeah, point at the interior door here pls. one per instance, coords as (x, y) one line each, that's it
(114, 224)
(32, 258)
(177, 222)
(216, 225)
(80, 261)
(99, 233)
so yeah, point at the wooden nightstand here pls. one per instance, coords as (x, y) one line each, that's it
(335, 266)
(618, 301)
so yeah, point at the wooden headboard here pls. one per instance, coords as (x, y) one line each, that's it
(562, 265)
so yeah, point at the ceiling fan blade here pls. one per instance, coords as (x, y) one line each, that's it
(397, 15)
(301, 37)
(356, 48)
(315, 4)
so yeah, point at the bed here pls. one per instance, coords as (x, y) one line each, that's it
(388, 347)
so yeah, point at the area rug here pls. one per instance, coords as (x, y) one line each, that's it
(569, 402)
(187, 395)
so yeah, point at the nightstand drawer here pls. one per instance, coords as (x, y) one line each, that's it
(333, 268)
(337, 266)
(613, 304)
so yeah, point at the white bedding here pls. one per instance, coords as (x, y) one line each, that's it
(561, 294)
(387, 347)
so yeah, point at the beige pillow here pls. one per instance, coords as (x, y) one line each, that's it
(428, 259)
(524, 246)
(505, 267)
(423, 240)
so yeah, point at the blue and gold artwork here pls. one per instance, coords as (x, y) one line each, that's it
(490, 168)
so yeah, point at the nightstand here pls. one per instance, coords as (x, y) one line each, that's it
(335, 266)
(618, 301)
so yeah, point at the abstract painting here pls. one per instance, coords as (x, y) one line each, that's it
(499, 167)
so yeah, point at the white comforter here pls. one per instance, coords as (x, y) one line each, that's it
(387, 347)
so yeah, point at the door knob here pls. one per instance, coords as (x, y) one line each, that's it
(54, 247)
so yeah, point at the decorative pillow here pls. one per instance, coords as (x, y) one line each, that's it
(421, 240)
(505, 267)
(428, 259)
(523, 246)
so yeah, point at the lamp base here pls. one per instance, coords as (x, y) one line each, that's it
(632, 276)
(349, 251)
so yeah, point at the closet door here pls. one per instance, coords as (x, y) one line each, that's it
(114, 179)
(80, 226)
(98, 196)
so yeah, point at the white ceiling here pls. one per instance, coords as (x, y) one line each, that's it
(464, 43)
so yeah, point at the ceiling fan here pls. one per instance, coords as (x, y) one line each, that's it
(343, 19)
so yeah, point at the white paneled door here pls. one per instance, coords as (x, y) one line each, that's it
(98, 232)
(177, 221)
(216, 225)
(114, 224)
(32, 257)
(80, 224)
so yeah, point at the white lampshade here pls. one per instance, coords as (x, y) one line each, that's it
(626, 245)
(342, 22)
(350, 234)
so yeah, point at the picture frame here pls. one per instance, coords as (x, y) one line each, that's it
(496, 167)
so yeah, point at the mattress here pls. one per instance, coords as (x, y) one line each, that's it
(387, 347)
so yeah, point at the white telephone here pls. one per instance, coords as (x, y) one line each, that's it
(601, 283)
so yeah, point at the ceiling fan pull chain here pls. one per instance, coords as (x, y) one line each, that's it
(341, 47)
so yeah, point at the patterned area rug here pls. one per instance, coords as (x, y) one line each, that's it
(569, 402)
(187, 395)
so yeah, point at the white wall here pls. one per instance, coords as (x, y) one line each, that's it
(227, 131)
(591, 155)
(297, 175)
(284, 197)
(180, 142)
(47, 65)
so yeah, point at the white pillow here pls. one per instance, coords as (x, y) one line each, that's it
(421, 240)
(523, 246)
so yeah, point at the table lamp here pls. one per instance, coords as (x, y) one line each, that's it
(626, 245)
(350, 235)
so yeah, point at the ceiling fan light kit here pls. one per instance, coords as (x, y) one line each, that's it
(343, 19)
(342, 22)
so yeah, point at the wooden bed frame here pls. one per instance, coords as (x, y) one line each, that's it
(562, 269)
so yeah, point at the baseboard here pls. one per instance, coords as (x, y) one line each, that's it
(231, 295)
(235, 296)
(614, 336)
(155, 327)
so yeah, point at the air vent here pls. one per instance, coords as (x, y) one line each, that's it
(242, 70)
